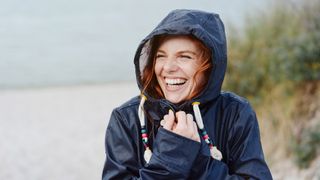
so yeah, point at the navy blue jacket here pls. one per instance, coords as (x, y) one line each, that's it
(229, 120)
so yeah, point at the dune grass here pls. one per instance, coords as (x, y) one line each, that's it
(275, 63)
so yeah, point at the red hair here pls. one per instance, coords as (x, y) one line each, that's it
(149, 80)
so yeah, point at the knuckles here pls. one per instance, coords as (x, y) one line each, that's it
(183, 125)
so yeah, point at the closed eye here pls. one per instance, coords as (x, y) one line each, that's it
(186, 56)
(160, 56)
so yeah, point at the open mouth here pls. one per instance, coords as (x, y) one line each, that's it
(174, 82)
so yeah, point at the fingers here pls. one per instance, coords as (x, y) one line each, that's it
(162, 122)
(181, 124)
(195, 128)
(169, 120)
(196, 136)
(192, 126)
(189, 120)
(181, 120)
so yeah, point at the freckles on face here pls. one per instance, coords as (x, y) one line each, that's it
(177, 61)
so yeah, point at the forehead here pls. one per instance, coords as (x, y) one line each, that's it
(178, 43)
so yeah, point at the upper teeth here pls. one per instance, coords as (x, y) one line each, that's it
(174, 81)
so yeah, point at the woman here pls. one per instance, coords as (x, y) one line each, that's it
(182, 126)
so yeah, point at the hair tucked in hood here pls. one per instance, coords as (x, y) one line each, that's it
(208, 28)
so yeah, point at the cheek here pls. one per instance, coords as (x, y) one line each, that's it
(190, 70)
(157, 68)
(200, 79)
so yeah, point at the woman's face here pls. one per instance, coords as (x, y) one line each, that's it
(177, 60)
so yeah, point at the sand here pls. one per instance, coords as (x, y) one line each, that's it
(57, 133)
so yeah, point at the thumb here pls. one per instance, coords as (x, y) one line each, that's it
(169, 119)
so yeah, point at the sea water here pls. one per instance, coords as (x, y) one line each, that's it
(49, 43)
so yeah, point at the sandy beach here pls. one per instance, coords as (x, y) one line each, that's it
(57, 133)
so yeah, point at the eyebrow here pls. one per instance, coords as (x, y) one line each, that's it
(180, 52)
(191, 52)
(160, 51)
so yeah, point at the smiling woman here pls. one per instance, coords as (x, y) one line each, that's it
(178, 67)
(183, 126)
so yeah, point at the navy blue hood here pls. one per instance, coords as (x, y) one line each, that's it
(208, 28)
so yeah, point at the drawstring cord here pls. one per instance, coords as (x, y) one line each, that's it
(144, 134)
(214, 152)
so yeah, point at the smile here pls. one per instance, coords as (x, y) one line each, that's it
(175, 81)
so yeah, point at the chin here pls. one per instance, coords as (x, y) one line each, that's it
(175, 100)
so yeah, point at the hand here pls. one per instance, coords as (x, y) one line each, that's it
(182, 124)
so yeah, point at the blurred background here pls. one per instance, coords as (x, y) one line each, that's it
(64, 65)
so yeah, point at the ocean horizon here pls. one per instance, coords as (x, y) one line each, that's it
(57, 43)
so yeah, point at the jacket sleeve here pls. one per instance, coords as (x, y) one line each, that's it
(246, 159)
(171, 157)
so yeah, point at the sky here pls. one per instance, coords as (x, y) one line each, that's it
(50, 43)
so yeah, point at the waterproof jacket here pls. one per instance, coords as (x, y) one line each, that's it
(228, 119)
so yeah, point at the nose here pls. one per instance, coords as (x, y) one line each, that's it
(170, 65)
